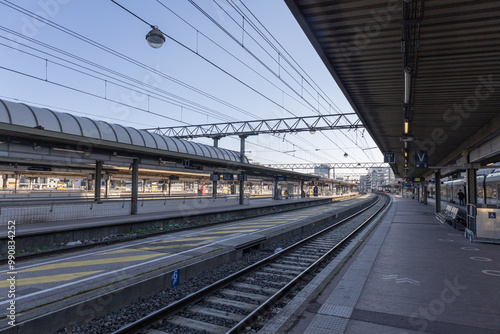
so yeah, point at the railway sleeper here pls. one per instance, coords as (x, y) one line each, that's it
(296, 255)
(232, 303)
(295, 266)
(255, 287)
(253, 296)
(197, 325)
(276, 276)
(217, 313)
(282, 271)
(303, 264)
(265, 282)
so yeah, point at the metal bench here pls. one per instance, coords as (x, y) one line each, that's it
(449, 215)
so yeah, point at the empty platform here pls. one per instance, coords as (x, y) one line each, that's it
(413, 275)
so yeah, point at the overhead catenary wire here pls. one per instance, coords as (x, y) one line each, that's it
(158, 93)
(118, 54)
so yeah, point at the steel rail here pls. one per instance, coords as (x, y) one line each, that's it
(146, 321)
(279, 294)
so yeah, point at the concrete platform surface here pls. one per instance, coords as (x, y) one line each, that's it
(413, 275)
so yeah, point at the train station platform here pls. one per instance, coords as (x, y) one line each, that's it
(413, 275)
(176, 214)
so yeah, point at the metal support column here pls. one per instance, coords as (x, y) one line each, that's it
(471, 188)
(302, 192)
(438, 190)
(424, 192)
(98, 178)
(135, 186)
(214, 189)
(242, 160)
(216, 141)
(106, 189)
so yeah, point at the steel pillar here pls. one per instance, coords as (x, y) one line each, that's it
(471, 189)
(135, 186)
(98, 176)
(242, 160)
(438, 190)
(424, 189)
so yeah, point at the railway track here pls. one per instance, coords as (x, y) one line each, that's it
(232, 304)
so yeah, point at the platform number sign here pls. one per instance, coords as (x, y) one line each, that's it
(492, 215)
(175, 277)
(421, 159)
(390, 157)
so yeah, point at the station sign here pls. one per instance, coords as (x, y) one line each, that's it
(228, 177)
(174, 277)
(242, 177)
(40, 169)
(214, 177)
(421, 159)
(281, 178)
(390, 157)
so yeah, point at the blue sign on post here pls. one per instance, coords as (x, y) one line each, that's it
(175, 277)
(492, 215)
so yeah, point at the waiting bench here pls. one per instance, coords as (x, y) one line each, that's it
(449, 216)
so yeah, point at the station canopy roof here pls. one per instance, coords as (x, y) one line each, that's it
(452, 52)
(55, 123)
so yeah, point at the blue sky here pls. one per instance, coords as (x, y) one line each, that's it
(193, 80)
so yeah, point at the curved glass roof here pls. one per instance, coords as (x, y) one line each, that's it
(28, 116)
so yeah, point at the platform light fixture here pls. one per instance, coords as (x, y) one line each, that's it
(155, 38)
(312, 131)
(407, 85)
(346, 155)
(407, 126)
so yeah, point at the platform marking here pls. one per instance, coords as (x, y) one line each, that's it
(446, 240)
(170, 246)
(233, 231)
(389, 276)
(119, 251)
(110, 272)
(491, 272)
(183, 239)
(470, 248)
(231, 236)
(400, 280)
(48, 279)
(479, 258)
(82, 255)
(91, 262)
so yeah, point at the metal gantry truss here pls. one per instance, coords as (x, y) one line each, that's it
(269, 126)
(330, 165)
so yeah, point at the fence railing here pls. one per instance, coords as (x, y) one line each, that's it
(45, 210)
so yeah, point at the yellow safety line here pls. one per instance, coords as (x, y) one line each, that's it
(173, 246)
(182, 239)
(47, 279)
(91, 262)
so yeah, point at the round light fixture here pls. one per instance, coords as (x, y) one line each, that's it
(155, 38)
(312, 131)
